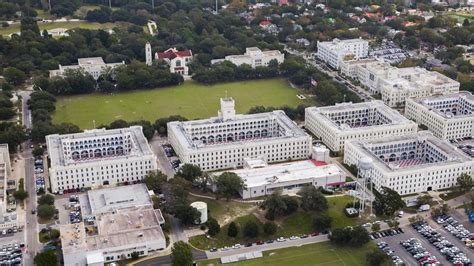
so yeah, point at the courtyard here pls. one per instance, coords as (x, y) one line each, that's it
(191, 100)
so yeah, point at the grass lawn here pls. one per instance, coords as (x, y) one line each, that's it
(336, 211)
(191, 100)
(313, 254)
(224, 211)
(295, 224)
(53, 25)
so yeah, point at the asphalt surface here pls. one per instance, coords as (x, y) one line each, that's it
(166, 260)
(31, 227)
(164, 164)
(264, 247)
(363, 94)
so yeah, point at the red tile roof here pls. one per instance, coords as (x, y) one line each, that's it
(173, 53)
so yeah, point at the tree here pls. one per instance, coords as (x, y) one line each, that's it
(350, 236)
(46, 211)
(38, 151)
(232, 230)
(291, 205)
(214, 227)
(269, 228)
(466, 23)
(375, 227)
(312, 199)
(181, 254)
(20, 195)
(251, 229)
(189, 172)
(135, 255)
(415, 219)
(187, 214)
(46, 199)
(154, 180)
(14, 76)
(229, 184)
(392, 223)
(275, 205)
(387, 202)
(377, 257)
(424, 199)
(465, 182)
(46, 258)
(321, 221)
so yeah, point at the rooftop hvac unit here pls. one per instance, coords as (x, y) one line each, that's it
(140, 235)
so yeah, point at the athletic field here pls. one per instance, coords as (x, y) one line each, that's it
(191, 100)
(308, 255)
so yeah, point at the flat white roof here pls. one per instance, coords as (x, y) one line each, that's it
(286, 172)
(108, 200)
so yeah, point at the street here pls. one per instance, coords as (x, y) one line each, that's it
(31, 227)
(363, 94)
(272, 246)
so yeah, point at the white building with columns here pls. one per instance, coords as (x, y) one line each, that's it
(253, 57)
(356, 121)
(92, 65)
(223, 142)
(335, 51)
(412, 163)
(99, 157)
(447, 116)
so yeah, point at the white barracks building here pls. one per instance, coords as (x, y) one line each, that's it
(253, 57)
(356, 121)
(99, 157)
(336, 51)
(394, 84)
(410, 164)
(447, 116)
(225, 141)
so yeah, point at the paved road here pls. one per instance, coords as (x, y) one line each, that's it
(31, 228)
(265, 247)
(363, 94)
(166, 260)
(163, 161)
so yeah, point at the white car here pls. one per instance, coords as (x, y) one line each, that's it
(294, 237)
(281, 239)
(236, 246)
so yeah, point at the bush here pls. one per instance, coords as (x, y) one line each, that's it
(270, 228)
(46, 199)
(350, 236)
(46, 211)
(232, 230)
(322, 221)
(214, 227)
(251, 229)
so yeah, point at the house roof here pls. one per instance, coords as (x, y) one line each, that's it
(172, 53)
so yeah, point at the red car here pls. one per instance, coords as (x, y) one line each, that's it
(315, 234)
(260, 242)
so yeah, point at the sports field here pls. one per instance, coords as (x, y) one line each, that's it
(191, 100)
(308, 255)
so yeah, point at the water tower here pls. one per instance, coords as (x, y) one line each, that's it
(364, 172)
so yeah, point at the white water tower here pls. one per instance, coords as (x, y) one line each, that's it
(364, 167)
(202, 208)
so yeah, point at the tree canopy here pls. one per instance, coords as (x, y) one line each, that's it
(387, 202)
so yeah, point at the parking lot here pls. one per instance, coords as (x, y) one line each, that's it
(69, 209)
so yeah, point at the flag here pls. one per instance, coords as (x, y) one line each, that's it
(314, 82)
